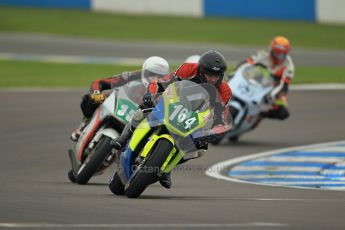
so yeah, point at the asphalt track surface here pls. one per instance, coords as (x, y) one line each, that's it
(35, 128)
(36, 194)
(105, 50)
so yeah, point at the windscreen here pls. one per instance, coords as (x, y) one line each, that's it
(257, 75)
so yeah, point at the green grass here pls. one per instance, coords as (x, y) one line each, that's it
(42, 74)
(320, 75)
(153, 28)
(174, 29)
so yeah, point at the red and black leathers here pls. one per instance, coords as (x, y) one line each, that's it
(115, 81)
(189, 71)
(88, 106)
(282, 74)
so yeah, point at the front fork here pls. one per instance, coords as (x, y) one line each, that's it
(173, 158)
(109, 132)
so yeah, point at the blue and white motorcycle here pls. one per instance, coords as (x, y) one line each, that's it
(250, 84)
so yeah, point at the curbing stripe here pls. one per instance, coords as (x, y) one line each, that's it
(216, 170)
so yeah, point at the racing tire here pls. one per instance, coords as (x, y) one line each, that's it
(142, 178)
(217, 139)
(234, 139)
(116, 185)
(94, 160)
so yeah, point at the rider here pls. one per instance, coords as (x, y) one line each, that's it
(210, 68)
(280, 65)
(153, 68)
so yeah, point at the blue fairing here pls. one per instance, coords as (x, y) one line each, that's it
(156, 117)
(127, 158)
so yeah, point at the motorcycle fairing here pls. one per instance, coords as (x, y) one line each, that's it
(166, 167)
(88, 133)
(126, 159)
(125, 110)
(162, 114)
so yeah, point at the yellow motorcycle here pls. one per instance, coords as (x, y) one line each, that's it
(182, 115)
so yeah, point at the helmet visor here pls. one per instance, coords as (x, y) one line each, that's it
(151, 76)
(278, 55)
(216, 72)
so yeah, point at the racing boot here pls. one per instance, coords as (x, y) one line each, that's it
(120, 142)
(165, 180)
(234, 138)
(77, 132)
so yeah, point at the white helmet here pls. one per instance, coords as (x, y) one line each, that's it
(192, 59)
(154, 67)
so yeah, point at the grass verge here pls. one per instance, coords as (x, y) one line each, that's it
(173, 29)
(43, 74)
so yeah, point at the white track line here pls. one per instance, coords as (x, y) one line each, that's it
(216, 169)
(82, 226)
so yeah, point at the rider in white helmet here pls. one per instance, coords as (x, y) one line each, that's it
(153, 69)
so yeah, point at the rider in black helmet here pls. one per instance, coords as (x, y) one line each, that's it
(210, 69)
(212, 63)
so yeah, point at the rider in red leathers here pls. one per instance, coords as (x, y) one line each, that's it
(280, 65)
(210, 68)
(153, 68)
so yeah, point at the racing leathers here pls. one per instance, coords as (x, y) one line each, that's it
(282, 75)
(94, 98)
(189, 71)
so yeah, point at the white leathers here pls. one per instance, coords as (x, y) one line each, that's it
(286, 69)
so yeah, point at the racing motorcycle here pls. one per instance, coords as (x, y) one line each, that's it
(250, 85)
(93, 153)
(167, 136)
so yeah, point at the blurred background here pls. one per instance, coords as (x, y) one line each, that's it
(51, 50)
(61, 38)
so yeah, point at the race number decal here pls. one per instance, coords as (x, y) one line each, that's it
(125, 110)
(182, 118)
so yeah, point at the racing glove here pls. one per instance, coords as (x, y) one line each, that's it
(147, 101)
(97, 97)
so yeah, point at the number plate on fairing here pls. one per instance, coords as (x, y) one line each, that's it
(125, 110)
(182, 118)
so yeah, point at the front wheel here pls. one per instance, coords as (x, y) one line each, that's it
(146, 173)
(94, 160)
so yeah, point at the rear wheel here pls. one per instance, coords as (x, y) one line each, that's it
(234, 138)
(94, 160)
(146, 173)
(116, 185)
(217, 139)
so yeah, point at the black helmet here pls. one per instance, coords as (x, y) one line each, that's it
(212, 63)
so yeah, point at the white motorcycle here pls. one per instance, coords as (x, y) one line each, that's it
(93, 152)
(250, 84)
